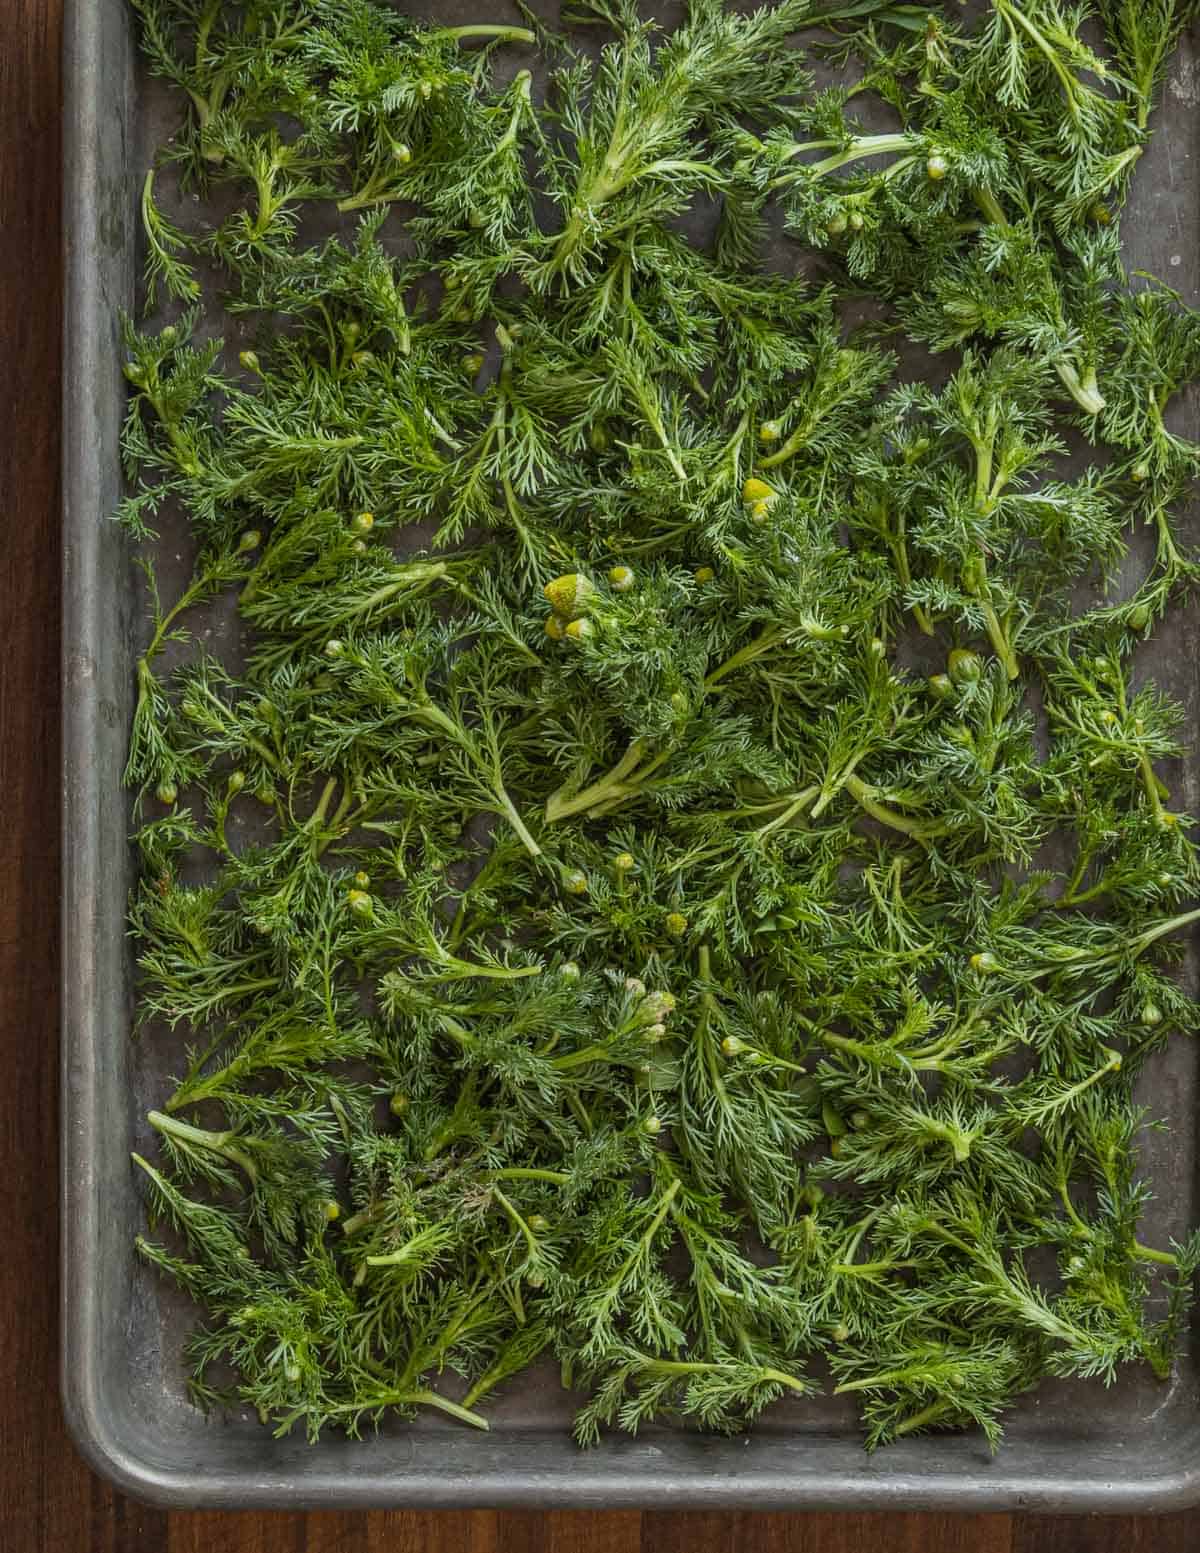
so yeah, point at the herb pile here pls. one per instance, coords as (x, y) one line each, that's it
(679, 879)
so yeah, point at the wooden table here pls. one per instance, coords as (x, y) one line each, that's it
(48, 1498)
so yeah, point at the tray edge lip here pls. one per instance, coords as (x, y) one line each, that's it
(87, 1420)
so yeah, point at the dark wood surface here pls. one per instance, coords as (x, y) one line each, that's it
(49, 1501)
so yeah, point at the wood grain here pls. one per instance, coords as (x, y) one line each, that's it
(49, 1502)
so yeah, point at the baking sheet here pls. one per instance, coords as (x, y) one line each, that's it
(1069, 1446)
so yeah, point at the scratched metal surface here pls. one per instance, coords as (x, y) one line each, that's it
(1069, 1446)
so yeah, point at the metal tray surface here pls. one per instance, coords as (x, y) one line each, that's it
(1069, 1446)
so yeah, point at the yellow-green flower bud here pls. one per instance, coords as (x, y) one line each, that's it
(237, 780)
(936, 167)
(538, 1223)
(941, 685)
(984, 962)
(570, 595)
(249, 360)
(575, 882)
(757, 490)
(555, 629)
(621, 578)
(362, 879)
(770, 431)
(360, 903)
(333, 1210)
(624, 861)
(836, 225)
(166, 792)
(652, 1125)
(399, 1103)
(569, 971)
(579, 630)
(1150, 1015)
(362, 523)
(401, 153)
(703, 574)
(676, 924)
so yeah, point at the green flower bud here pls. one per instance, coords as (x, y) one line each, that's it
(732, 1046)
(473, 365)
(936, 166)
(334, 648)
(675, 923)
(569, 971)
(333, 1210)
(570, 595)
(656, 1007)
(635, 987)
(134, 373)
(836, 225)
(237, 780)
(401, 153)
(1140, 471)
(538, 1223)
(535, 1280)
(857, 221)
(679, 702)
(1101, 214)
(362, 523)
(599, 438)
(624, 861)
(1139, 617)
(166, 792)
(168, 335)
(359, 547)
(770, 431)
(292, 1372)
(362, 879)
(984, 962)
(964, 666)
(652, 1125)
(703, 574)
(249, 541)
(399, 1103)
(249, 360)
(860, 1119)
(579, 630)
(840, 1333)
(476, 219)
(575, 882)
(1150, 1016)
(554, 628)
(941, 685)
(621, 578)
(360, 903)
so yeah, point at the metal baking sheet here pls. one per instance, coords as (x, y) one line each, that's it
(1069, 1446)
